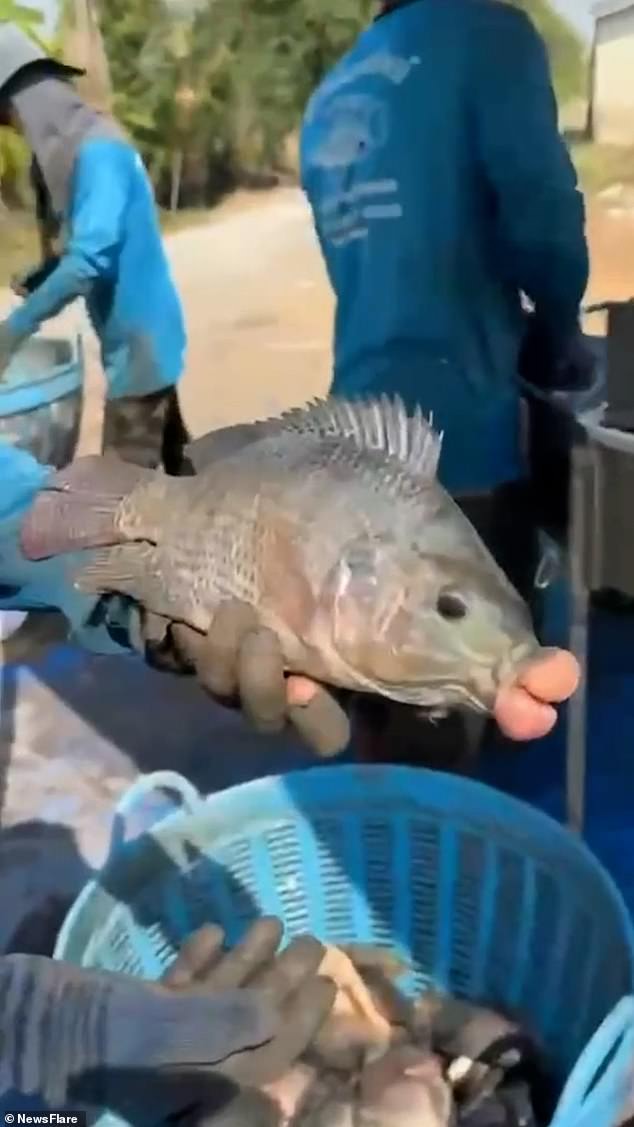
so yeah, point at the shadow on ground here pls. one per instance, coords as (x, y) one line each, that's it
(77, 729)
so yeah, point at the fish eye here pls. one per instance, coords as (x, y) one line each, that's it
(451, 606)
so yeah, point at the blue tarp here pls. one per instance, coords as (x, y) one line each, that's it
(536, 772)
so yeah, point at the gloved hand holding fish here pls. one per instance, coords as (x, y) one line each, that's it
(255, 1037)
(568, 367)
(240, 664)
(331, 526)
(218, 1020)
(78, 1035)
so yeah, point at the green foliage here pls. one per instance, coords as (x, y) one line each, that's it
(14, 156)
(210, 88)
(26, 17)
(219, 83)
(565, 48)
(216, 86)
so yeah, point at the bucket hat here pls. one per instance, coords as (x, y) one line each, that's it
(18, 50)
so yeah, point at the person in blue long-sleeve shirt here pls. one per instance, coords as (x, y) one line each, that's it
(442, 192)
(95, 198)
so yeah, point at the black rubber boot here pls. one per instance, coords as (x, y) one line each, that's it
(147, 431)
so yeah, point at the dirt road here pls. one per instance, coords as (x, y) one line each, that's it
(259, 308)
(259, 313)
(74, 730)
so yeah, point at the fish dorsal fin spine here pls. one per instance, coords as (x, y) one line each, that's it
(380, 424)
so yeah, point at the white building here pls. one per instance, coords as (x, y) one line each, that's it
(613, 72)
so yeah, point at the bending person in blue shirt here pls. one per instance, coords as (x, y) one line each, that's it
(441, 193)
(95, 198)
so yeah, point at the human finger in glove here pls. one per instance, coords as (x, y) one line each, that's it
(72, 1035)
(567, 364)
(241, 663)
(289, 983)
(149, 1050)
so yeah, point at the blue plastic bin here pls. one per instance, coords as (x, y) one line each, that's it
(488, 897)
(41, 399)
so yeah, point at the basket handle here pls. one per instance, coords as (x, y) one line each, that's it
(189, 798)
(618, 1024)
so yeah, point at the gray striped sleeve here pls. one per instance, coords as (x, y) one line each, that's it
(51, 1022)
(59, 1023)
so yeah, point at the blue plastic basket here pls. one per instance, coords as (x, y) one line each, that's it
(41, 399)
(488, 897)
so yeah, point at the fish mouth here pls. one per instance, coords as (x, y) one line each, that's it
(481, 692)
(478, 692)
(443, 696)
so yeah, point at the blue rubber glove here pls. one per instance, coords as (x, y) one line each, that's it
(30, 280)
(570, 376)
(101, 625)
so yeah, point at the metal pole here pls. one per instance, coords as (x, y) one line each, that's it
(581, 504)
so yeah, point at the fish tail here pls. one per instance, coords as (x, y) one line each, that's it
(57, 523)
(78, 508)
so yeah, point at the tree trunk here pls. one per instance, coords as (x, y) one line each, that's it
(83, 46)
(177, 175)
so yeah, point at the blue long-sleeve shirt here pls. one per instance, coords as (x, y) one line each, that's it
(114, 258)
(441, 190)
(101, 625)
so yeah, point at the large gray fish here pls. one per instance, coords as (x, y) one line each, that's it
(333, 526)
(404, 1087)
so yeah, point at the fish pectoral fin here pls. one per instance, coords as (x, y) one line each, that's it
(129, 569)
